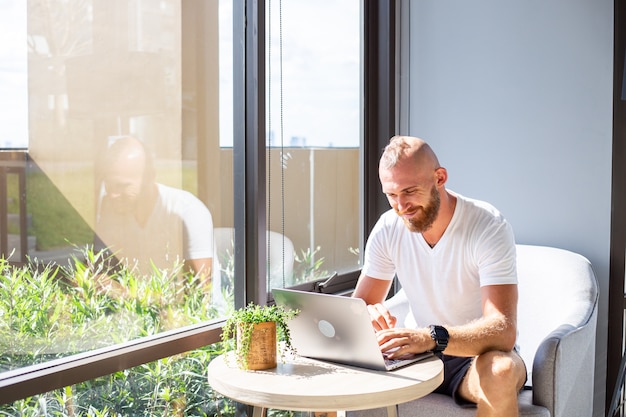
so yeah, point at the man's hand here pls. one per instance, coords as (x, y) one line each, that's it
(381, 317)
(397, 343)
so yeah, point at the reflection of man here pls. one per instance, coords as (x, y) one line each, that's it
(145, 223)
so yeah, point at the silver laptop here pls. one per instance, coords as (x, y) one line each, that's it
(337, 329)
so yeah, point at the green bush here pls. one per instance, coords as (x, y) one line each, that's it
(50, 312)
(53, 311)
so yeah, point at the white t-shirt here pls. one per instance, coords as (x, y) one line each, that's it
(179, 228)
(443, 283)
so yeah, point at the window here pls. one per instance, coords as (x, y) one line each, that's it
(125, 180)
(13, 79)
(172, 88)
(313, 139)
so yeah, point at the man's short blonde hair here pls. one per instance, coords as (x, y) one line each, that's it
(401, 147)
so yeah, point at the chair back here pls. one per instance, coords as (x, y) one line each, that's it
(280, 258)
(557, 291)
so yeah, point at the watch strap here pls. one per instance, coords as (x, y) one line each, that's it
(440, 335)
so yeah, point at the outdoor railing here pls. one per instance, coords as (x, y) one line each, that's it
(13, 163)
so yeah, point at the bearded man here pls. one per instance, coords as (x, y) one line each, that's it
(455, 259)
(147, 224)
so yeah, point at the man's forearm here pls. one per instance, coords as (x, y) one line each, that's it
(482, 335)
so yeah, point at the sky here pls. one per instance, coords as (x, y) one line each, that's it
(315, 90)
(317, 99)
(13, 75)
(320, 71)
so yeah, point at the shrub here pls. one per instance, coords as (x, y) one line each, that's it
(52, 311)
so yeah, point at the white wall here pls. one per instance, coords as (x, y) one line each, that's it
(516, 99)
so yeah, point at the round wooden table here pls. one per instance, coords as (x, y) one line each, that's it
(303, 384)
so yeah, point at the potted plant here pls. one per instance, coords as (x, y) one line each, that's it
(255, 330)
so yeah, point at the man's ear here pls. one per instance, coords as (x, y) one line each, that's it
(441, 176)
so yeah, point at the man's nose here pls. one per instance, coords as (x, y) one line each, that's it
(401, 202)
(113, 192)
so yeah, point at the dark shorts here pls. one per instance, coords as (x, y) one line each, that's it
(454, 370)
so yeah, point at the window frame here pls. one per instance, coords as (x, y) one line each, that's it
(379, 122)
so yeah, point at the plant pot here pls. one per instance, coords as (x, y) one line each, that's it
(262, 346)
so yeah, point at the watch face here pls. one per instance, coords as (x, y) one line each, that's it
(440, 336)
(441, 332)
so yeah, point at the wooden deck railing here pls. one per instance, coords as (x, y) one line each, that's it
(13, 163)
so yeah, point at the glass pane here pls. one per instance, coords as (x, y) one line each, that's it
(313, 139)
(175, 386)
(13, 76)
(171, 387)
(125, 181)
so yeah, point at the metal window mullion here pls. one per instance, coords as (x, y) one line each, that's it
(379, 100)
(249, 152)
(617, 260)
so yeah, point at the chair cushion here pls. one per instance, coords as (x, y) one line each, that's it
(437, 405)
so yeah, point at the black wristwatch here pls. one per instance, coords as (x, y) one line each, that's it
(440, 336)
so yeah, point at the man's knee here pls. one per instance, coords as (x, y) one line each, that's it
(500, 370)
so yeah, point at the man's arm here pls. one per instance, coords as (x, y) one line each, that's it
(202, 269)
(374, 291)
(495, 330)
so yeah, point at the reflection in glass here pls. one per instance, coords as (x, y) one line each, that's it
(99, 74)
(147, 224)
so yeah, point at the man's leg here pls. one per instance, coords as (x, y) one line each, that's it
(493, 381)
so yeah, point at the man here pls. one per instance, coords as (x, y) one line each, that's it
(145, 223)
(455, 258)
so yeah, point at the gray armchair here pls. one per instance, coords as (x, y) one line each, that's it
(557, 314)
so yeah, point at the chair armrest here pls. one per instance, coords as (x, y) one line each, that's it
(563, 370)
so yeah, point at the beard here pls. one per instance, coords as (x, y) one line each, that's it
(127, 201)
(123, 205)
(426, 215)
